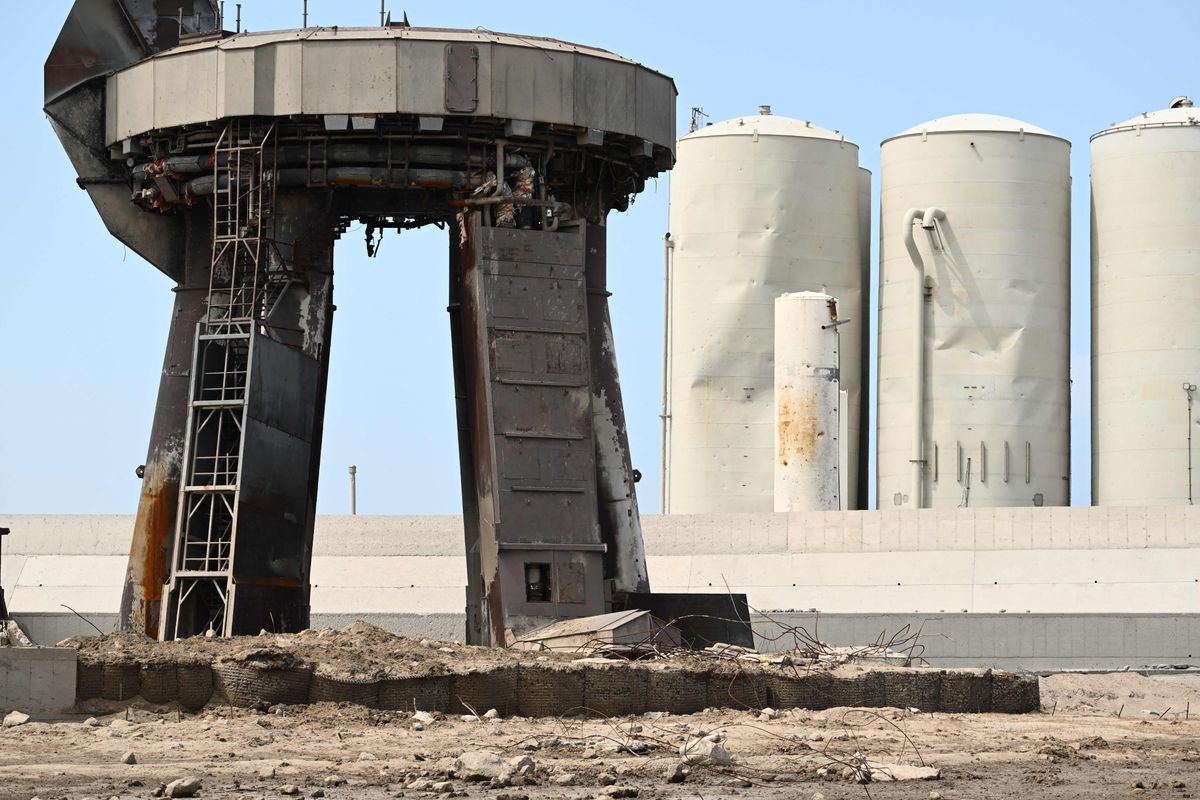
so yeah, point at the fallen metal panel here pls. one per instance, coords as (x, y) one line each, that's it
(702, 619)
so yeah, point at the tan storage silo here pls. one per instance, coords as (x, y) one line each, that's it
(1145, 313)
(760, 206)
(974, 321)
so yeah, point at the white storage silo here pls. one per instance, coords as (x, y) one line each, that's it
(808, 422)
(974, 321)
(760, 206)
(1145, 318)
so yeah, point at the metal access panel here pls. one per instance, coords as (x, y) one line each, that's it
(462, 77)
(527, 355)
(277, 496)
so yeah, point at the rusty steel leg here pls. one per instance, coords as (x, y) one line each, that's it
(466, 459)
(620, 525)
(141, 597)
(242, 564)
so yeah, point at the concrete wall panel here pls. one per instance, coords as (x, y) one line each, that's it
(37, 679)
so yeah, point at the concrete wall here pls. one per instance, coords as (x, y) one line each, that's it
(37, 679)
(1108, 575)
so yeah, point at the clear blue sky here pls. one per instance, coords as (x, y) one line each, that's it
(82, 321)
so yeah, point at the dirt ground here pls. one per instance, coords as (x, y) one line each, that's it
(1081, 750)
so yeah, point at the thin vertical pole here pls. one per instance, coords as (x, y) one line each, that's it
(1188, 388)
(353, 491)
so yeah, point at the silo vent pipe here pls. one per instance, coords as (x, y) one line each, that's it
(664, 490)
(928, 219)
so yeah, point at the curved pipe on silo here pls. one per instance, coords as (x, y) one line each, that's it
(929, 219)
(910, 218)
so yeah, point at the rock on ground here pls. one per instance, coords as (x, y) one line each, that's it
(483, 765)
(183, 787)
(704, 751)
(15, 718)
(883, 773)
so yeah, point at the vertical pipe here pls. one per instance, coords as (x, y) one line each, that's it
(239, 18)
(381, 12)
(844, 499)
(1188, 388)
(305, 14)
(918, 364)
(353, 491)
(665, 467)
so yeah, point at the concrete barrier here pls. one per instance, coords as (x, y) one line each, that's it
(535, 689)
(37, 679)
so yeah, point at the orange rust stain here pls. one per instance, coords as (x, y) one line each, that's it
(797, 426)
(148, 557)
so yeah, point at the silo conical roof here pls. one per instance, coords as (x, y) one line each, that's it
(962, 123)
(766, 125)
(1180, 112)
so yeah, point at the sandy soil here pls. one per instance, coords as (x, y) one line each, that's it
(1082, 750)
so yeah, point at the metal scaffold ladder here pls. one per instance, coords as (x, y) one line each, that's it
(247, 277)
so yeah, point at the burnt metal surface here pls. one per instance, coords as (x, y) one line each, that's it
(620, 523)
(101, 36)
(526, 355)
(241, 209)
(702, 619)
